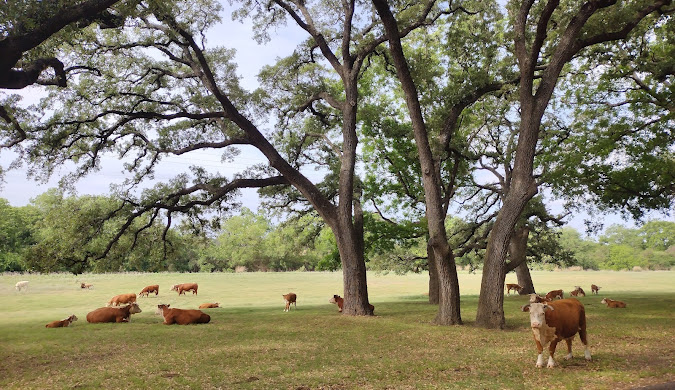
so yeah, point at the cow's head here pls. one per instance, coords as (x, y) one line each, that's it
(135, 308)
(72, 318)
(161, 307)
(334, 299)
(537, 313)
(604, 301)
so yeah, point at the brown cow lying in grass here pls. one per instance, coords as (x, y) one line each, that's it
(338, 300)
(208, 305)
(578, 292)
(536, 298)
(613, 304)
(122, 299)
(86, 285)
(556, 321)
(113, 314)
(555, 294)
(149, 289)
(290, 298)
(183, 317)
(63, 323)
(182, 288)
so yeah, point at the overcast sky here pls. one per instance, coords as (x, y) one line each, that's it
(251, 57)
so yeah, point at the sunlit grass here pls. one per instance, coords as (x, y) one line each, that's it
(252, 344)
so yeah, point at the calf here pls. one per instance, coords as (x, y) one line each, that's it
(182, 288)
(613, 304)
(554, 294)
(86, 285)
(208, 305)
(594, 289)
(339, 301)
(122, 299)
(113, 314)
(149, 289)
(22, 285)
(578, 292)
(183, 317)
(290, 298)
(556, 321)
(63, 323)
(513, 286)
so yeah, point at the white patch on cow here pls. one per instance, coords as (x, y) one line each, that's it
(551, 362)
(540, 360)
(587, 353)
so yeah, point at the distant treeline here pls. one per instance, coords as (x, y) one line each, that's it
(72, 234)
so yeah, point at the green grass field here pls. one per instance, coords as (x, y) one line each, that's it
(252, 344)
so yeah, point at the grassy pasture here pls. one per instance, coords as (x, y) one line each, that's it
(252, 344)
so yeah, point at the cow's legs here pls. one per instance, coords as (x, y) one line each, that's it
(551, 350)
(582, 336)
(540, 357)
(569, 348)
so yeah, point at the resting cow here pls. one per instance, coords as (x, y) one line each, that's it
(113, 314)
(536, 298)
(513, 286)
(183, 317)
(594, 289)
(208, 305)
(290, 298)
(613, 304)
(556, 321)
(63, 323)
(555, 294)
(122, 299)
(182, 288)
(338, 300)
(578, 292)
(86, 285)
(22, 285)
(149, 289)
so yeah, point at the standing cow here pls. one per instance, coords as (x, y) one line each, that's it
(556, 321)
(290, 298)
(149, 289)
(182, 288)
(22, 285)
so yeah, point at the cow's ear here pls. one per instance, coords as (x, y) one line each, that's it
(548, 307)
(525, 307)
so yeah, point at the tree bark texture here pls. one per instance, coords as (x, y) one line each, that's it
(434, 294)
(518, 259)
(449, 300)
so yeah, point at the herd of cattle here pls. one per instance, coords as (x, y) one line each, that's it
(552, 317)
(120, 307)
(554, 320)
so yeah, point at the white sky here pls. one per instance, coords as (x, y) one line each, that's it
(251, 57)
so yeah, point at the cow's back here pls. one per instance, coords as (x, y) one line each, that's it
(568, 316)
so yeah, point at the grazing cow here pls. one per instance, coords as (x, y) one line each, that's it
(594, 289)
(338, 300)
(22, 285)
(554, 294)
(183, 317)
(207, 305)
(113, 314)
(613, 304)
(536, 298)
(513, 286)
(86, 285)
(290, 298)
(182, 288)
(122, 299)
(63, 323)
(578, 292)
(556, 321)
(149, 289)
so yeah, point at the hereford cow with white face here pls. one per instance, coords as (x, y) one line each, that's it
(556, 321)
